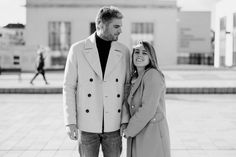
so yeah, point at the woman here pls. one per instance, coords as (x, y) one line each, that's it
(147, 132)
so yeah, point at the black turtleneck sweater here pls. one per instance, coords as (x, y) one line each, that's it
(103, 47)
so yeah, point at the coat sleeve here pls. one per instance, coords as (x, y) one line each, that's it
(152, 91)
(69, 87)
(125, 109)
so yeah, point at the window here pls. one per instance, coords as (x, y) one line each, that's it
(92, 27)
(142, 32)
(234, 39)
(59, 35)
(222, 40)
(223, 23)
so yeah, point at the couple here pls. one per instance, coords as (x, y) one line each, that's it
(104, 98)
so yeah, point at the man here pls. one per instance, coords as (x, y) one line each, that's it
(95, 86)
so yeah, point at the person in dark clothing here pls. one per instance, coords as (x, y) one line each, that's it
(40, 68)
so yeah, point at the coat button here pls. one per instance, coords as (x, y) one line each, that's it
(119, 110)
(91, 79)
(118, 95)
(87, 110)
(89, 95)
(117, 79)
(132, 106)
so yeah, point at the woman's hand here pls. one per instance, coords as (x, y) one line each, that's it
(122, 128)
(125, 134)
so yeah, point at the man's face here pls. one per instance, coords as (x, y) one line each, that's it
(111, 31)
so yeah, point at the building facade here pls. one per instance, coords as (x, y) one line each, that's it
(195, 43)
(57, 24)
(19, 33)
(12, 49)
(225, 33)
(7, 37)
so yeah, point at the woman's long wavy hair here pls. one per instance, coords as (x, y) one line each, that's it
(152, 58)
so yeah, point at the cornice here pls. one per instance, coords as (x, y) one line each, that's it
(160, 6)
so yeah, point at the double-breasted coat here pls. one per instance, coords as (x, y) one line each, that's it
(147, 130)
(88, 98)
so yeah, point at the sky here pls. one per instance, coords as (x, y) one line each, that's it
(197, 5)
(13, 11)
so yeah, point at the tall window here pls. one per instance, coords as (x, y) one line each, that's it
(59, 35)
(92, 27)
(234, 39)
(142, 31)
(222, 40)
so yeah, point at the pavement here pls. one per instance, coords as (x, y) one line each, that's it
(201, 125)
(179, 80)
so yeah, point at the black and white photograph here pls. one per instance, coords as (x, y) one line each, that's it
(117, 78)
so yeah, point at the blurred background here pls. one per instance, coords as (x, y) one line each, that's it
(185, 32)
(195, 42)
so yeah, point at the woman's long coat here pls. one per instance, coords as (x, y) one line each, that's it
(147, 131)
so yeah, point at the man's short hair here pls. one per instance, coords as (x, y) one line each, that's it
(107, 13)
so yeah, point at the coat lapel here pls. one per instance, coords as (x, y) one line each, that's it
(135, 87)
(114, 57)
(91, 54)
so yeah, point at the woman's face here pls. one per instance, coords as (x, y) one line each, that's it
(140, 57)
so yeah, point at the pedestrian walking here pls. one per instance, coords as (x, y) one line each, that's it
(95, 86)
(40, 66)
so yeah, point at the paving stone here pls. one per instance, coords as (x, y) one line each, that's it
(200, 126)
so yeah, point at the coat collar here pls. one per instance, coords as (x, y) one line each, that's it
(135, 86)
(114, 57)
(92, 56)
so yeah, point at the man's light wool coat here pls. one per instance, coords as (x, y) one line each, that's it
(87, 96)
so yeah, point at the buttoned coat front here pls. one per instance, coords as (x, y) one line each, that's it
(88, 98)
(147, 130)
